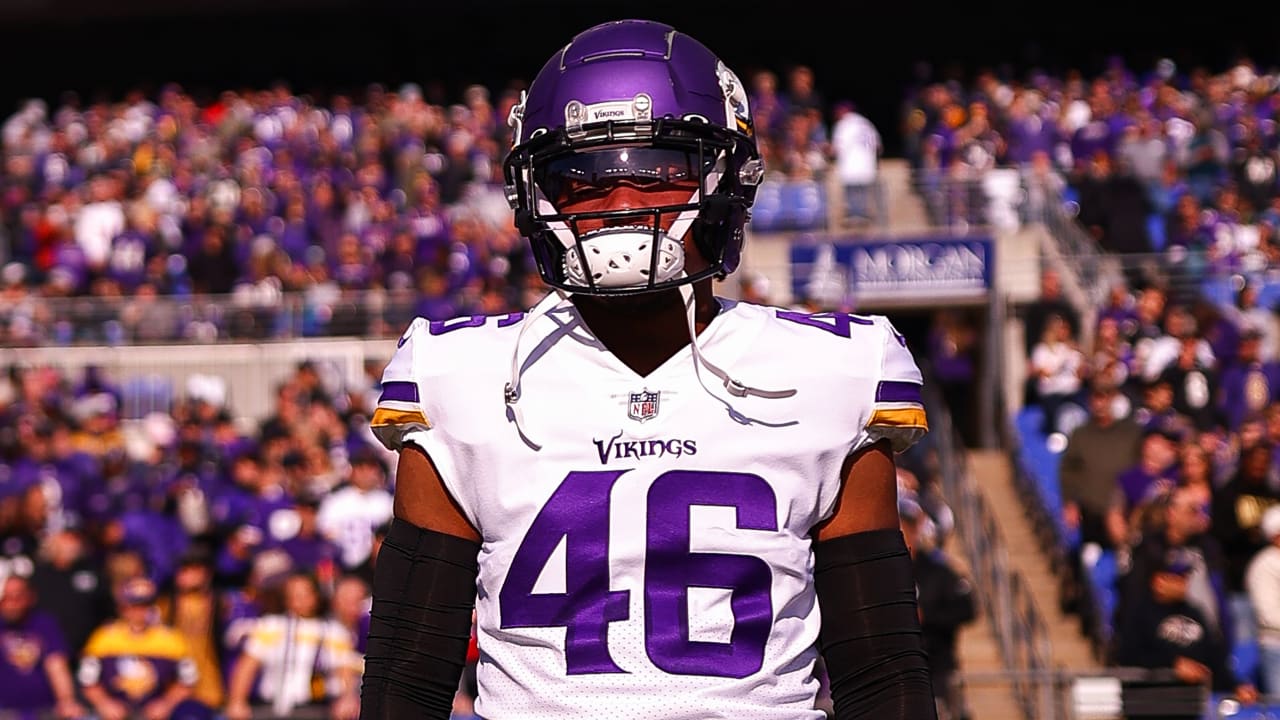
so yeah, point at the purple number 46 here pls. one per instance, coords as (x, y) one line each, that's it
(578, 512)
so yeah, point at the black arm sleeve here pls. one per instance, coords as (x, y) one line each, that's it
(870, 637)
(424, 588)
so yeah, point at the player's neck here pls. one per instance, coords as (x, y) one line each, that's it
(644, 331)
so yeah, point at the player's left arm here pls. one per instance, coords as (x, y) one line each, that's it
(870, 637)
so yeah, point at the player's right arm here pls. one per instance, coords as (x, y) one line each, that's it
(424, 584)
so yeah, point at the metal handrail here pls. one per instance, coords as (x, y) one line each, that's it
(1010, 609)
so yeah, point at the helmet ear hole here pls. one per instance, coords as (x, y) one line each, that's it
(524, 222)
(715, 210)
(704, 239)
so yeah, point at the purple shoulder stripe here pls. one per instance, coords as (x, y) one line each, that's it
(399, 391)
(898, 391)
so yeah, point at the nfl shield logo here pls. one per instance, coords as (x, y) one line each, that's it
(643, 406)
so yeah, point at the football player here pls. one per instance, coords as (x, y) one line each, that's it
(662, 504)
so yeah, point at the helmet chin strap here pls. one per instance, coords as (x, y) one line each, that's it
(734, 387)
(553, 300)
(511, 393)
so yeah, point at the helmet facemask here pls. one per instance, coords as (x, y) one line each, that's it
(674, 172)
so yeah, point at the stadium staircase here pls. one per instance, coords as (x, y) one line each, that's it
(994, 473)
(981, 660)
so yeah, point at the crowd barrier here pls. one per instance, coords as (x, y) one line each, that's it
(153, 377)
(1118, 693)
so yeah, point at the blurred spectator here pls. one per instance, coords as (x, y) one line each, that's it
(1044, 188)
(35, 675)
(1192, 379)
(295, 658)
(1195, 470)
(1060, 369)
(352, 598)
(100, 220)
(953, 348)
(1163, 630)
(1111, 359)
(1096, 453)
(241, 605)
(1249, 384)
(1179, 521)
(946, 604)
(191, 608)
(299, 535)
(1217, 329)
(857, 146)
(1248, 315)
(1207, 156)
(1262, 582)
(1114, 207)
(72, 587)
(136, 665)
(243, 510)
(349, 514)
(1051, 301)
(1238, 507)
(1154, 473)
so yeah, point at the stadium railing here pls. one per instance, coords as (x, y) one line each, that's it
(1002, 592)
(204, 319)
(1117, 693)
(238, 376)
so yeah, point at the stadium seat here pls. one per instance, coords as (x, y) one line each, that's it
(1218, 290)
(1040, 462)
(1102, 579)
(1220, 710)
(143, 394)
(1245, 659)
(1156, 231)
(804, 205)
(767, 211)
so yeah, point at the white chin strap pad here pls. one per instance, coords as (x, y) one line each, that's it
(620, 257)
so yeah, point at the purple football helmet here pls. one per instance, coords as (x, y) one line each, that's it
(633, 101)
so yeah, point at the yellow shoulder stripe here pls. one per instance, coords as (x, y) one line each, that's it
(901, 417)
(383, 417)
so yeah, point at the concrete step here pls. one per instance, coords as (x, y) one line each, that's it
(992, 470)
(980, 661)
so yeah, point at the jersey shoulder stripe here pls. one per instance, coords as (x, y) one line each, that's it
(428, 353)
(897, 411)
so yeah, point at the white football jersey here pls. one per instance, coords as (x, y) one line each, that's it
(653, 558)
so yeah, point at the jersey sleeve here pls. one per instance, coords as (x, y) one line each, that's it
(411, 411)
(897, 409)
(400, 415)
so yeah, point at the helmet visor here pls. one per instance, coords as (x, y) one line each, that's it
(575, 176)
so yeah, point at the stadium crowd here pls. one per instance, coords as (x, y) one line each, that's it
(241, 560)
(342, 217)
(1178, 164)
(176, 563)
(1161, 417)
